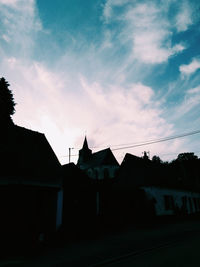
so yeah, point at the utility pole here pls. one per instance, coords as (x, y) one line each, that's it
(70, 148)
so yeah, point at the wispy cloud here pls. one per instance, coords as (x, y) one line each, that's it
(195, 90)
(109, 115)
(184, 17)
(11, 3)
(109, 5)
(192, 67)
(91, 90)
(147, 26)
(19, 25)
(190, 101)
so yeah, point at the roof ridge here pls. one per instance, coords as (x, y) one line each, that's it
(101, 150)
(26, 129)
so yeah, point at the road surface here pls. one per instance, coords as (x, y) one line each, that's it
(164, 245)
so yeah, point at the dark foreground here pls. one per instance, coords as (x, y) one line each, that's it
(172, 244)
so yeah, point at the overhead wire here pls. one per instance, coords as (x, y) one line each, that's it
(151, 141)
(159, 140)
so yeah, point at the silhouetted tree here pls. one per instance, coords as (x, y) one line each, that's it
(166, 163)
(156, 159)
(187, 156)
(7, 104)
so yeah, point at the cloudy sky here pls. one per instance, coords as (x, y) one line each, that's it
(120, 71)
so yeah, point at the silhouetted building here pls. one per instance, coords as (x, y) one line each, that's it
(98, 165)
(30, 186)
(144, 189)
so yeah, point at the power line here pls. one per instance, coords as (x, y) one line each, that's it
(152, 141)
(161, 155)
(159, 140)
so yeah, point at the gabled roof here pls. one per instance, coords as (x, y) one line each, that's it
(135, 171)
(27, 156)
(102, 157)
(132, 172)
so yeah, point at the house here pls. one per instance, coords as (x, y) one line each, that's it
(144, 190)
(170, 201)
(30, 187)
(99, 165)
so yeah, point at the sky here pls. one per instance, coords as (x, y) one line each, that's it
(118, 71)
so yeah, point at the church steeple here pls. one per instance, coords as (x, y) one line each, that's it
(85, 144)
(84, 153)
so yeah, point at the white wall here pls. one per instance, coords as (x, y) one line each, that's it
(159, 193)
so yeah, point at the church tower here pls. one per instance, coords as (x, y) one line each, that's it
(84, 153)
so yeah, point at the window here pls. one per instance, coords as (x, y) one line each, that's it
(169, 202)
(195, 203)
(184, 202)
(190, 202)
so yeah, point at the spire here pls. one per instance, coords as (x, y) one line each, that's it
(85, 144)
(84, 153)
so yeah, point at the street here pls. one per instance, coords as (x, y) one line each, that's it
(184, 254)
(164, 245)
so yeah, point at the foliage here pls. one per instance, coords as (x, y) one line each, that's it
(7, 104)
(156, 159)
(186, 156)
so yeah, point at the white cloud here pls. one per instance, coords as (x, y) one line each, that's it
(110, 115)
(9, 2)
(184, 17)
(194, 90)
(124, 114)
(6, 38)
(147, 48)
(190, 101)
(192, 67)
(151, 34)
(41, 102)
(147, 26)
(107, 11)
(64, 104)
(19, 24)
(178, 48)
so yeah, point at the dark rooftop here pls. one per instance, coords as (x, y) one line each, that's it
(26, 155)
(100, 158)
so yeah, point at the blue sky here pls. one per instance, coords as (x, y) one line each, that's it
(120, 71)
